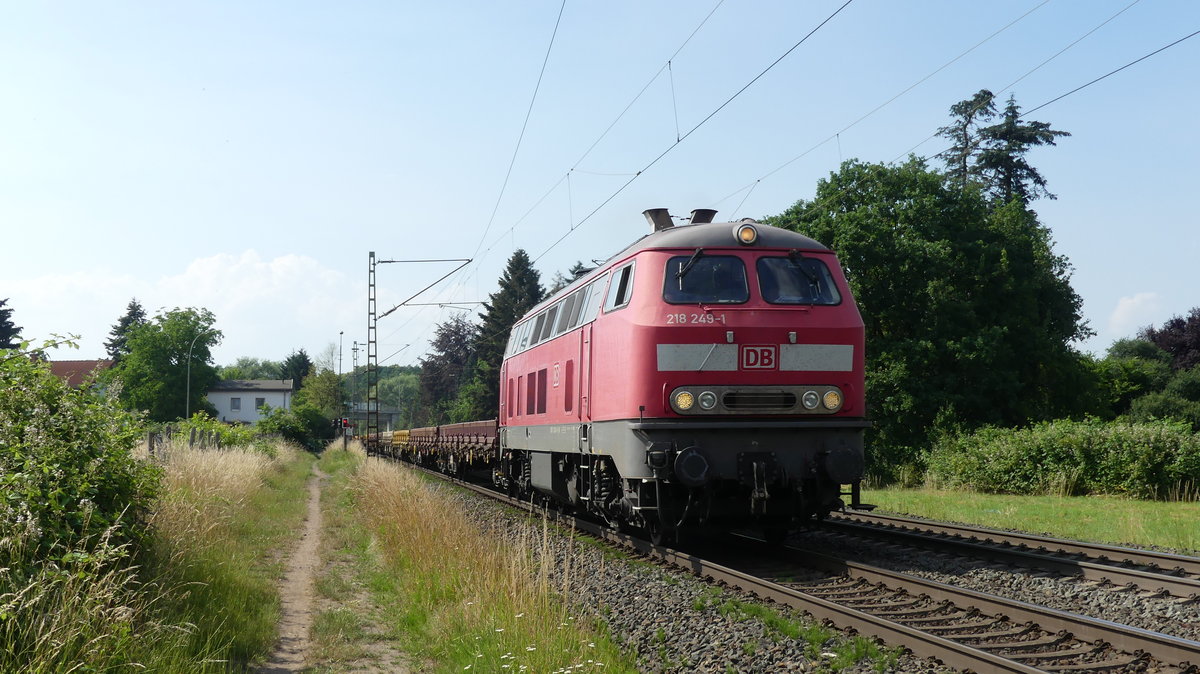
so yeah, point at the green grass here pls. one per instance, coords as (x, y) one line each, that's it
(1169, 524)
(818, 639)
(198, 594)
(232, 574)
(441, 589)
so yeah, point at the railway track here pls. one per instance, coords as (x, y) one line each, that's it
(1150, 571)
(960, 628)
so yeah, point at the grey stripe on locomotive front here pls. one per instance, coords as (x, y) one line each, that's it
(724, 357)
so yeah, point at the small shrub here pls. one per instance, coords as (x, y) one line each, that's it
(67, 472)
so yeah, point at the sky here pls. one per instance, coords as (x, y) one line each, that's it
(246, 157)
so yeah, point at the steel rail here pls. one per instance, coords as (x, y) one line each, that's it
(1173, 651)
(1177, 586)
(1113, 553)
(1164, 647)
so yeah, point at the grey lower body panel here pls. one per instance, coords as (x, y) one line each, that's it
(830, 450)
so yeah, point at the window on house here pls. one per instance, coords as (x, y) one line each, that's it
(259, 402)
(235, 404)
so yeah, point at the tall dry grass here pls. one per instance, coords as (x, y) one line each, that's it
(472, 597)
(104, 606)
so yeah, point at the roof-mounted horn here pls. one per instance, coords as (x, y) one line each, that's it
(658, 218)
(703, 215)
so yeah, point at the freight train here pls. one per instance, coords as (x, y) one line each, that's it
(710, 375)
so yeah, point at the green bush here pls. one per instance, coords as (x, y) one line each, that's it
(228, 435)
(67, 473)
(1122, 380)
(1166, 406)
(303, 424)
(1145, 460)
(1185, 384)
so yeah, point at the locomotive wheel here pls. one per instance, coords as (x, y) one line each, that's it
(658, 532)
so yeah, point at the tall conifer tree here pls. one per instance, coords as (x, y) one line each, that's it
(1002, 159)
(965, 134)
(9, 333)
(520, 290)
(118, 344)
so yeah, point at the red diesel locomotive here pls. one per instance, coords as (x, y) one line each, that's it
(709, 375)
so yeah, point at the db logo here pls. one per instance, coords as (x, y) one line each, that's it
(760, 357)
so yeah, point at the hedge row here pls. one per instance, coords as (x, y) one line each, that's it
(1159, 459)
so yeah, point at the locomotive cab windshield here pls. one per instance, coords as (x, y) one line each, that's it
(711, 279)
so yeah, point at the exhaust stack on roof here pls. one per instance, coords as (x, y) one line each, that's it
(701, 216)
(658, 218)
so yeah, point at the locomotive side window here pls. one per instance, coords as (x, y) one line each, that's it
(531, 388)
(796, 280)
(595, 291)
(537, 329)
(705, 279)
(620, 290)
(568, 307)
(541, 391)
(569, 386)
(512, 395)
(551, 315)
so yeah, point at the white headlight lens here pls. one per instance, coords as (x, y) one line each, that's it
(811, 400)
(708, 400)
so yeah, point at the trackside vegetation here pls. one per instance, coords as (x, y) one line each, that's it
(1158, 459)
(110, 561)
(454, 596)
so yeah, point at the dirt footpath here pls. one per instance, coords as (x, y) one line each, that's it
(297, 593)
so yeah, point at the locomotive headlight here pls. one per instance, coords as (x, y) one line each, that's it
(745, 234)
(684, 400)
(831, 400)
(708, 400)
(811, 400)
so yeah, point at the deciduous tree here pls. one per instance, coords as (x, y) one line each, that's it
(443, 367)
(155, 372)
(969, 313)
(1179, 337)
(248, 367)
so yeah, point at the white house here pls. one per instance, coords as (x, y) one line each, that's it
(240, 400)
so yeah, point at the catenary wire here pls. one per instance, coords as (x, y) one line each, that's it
(524, 126)
(1084, 86)
(694, 129)
(1029, 72)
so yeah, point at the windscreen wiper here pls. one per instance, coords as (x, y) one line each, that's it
(794, 256)
(689, 264)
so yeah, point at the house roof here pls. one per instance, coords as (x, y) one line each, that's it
(252, 385)
(74, 372)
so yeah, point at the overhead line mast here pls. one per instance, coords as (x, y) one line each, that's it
(372, 341)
